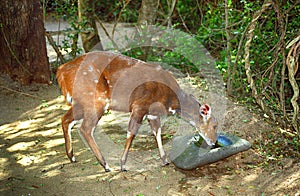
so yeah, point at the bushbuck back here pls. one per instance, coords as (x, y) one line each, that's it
(100, 81)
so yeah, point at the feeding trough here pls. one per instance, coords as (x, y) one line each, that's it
(189, 152)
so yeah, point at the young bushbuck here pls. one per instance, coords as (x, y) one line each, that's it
(100, 81)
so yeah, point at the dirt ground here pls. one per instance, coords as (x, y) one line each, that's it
(33, 159)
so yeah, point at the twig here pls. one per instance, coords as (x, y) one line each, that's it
(183, 23)
(119, 17)
(171, 10)
(13, 53)
(106, 32)
(228, 49)
(281, 45)
(249, 36)
(19, 92)
(52, 43)
(291, 61)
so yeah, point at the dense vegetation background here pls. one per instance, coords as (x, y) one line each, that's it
(256, 44)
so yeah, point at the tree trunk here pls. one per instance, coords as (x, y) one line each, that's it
(146, 19)
(22, 39)
(89, 34)
(148, 12)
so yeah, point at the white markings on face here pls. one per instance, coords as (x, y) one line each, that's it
(172, 111)
(151, 117)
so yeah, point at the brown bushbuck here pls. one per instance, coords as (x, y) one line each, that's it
(100, 81)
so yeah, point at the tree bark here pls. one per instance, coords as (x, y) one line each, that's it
(147, 17)
(148, 12)
(89, 34)
(22, 39)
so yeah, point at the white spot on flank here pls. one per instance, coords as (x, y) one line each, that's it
(172, 111)
(151, 117)
(84, 73)
(107, 81)
(96, 81)
(90, 69)
(91, 93)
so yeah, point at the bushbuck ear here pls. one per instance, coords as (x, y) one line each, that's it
(205, 111)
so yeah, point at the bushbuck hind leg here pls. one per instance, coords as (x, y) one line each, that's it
(67, 123)
(155, 125)
(133, 127)
(87, 128)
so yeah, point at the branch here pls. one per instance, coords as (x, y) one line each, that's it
(249, 37)
(13, 53)
(53, 44)
(19, 92)
(228, 49)
(119, 17)
(106, 33)
(292, 64)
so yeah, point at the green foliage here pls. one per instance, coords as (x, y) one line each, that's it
(109, 11)
(277, 145)
(68, 10)
(164, 56)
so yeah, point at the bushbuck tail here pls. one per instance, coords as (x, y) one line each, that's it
(100, 81)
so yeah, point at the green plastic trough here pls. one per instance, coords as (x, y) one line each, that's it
(188, 154)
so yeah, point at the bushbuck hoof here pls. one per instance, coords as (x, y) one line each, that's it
(165, 161)
(72, 159)
(108, 170)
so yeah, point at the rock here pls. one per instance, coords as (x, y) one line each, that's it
(187, 154)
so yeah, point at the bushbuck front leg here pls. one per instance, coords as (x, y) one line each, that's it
(155, 125)
(133, 127)
(87, 130)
